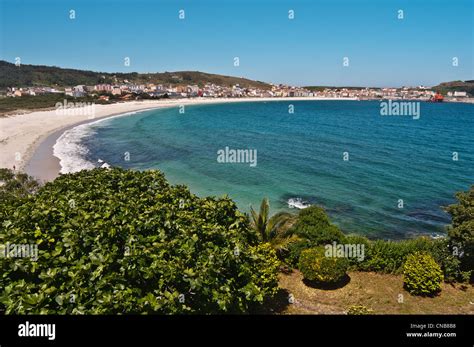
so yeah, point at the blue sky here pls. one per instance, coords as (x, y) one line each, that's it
(308, 50)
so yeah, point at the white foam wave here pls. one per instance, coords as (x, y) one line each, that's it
(69, 150)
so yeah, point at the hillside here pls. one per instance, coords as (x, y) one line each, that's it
(460, 86)
(38, 75)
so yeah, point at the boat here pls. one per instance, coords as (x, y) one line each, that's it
(298, 203)
(437, 98)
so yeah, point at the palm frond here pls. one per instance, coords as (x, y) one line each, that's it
(281, 222)
(281, 244)
(271, 229)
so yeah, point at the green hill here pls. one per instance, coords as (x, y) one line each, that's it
(38, 75)
(459, 86)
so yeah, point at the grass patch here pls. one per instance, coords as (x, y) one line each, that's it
(378, 292)
(43, 101)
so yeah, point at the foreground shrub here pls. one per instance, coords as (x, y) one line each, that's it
(118, 241)
(461, 231)
(364, 243)
(450, 264)
(357, 310)
(315, 266)
(422, 275)
(14, 187)
(294, 251)
(314, 225)
(390, 256)
(312, 228)
(273, 229)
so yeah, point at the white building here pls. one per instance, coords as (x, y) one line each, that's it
(116, 91)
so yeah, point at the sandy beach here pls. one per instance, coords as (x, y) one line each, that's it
(27, 140)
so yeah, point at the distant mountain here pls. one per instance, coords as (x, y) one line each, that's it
(459, 86)
(38, 75)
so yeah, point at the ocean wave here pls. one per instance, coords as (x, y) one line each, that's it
(70, 152)
(69, 148)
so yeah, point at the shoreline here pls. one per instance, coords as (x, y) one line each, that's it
(43, 164)
(27, 140)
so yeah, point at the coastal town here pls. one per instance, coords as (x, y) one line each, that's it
(132, 91)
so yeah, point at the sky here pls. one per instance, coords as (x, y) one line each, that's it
(310, 49)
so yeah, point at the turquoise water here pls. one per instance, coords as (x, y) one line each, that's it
(301, 155)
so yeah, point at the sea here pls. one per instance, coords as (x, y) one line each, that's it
(380, 174)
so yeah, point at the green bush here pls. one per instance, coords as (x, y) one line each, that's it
(314, 225)
(386, 256)
(312, 228)
(355, 262)
(315, 266)
(313, 216)
(14, 187)
(294, 251)
(322, 236)
(450, 264)
(389, 256)
(461, 231)
(422, 275)
(264, 269)
(119, 241)
(357, 310)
